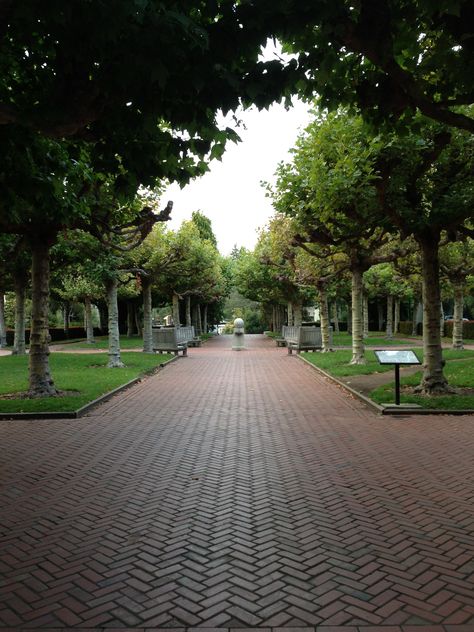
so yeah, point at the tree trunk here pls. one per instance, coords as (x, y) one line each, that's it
(433, 380)
(324, 314)
(205, 325)
(416, 307)
(335, 317)
(175, 312)
(19, 342)
(188, 310)
(358, 356)
(297, 314)
(103, 317)
(380, 314)
(138, 323)
(389, 324)
(365, 310)
(88, 321)
(66, 318)
(396, 322)
(290, 314)
(458, 342)
(130, 319)
(198, 331)
(40, 381)
(3, 329)
(147, 317)
(115, 360)
(349, 318)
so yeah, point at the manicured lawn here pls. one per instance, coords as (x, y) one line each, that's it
(375, 339)
(459, 371)
(102, 342)
(85, 373)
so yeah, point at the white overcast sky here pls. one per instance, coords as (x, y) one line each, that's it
(230, 194)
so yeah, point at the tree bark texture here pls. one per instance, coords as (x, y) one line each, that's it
(175, 312)
(290, 314)
(433, 380)
(40, 381)
(19, 341)
(297, 314)
(365, 311)
(188, 310)
(396, 316)
(3, 329)
(349, 317)
(380, 314)
(458, 342)
(88, 321)
(335, 317)
(324, 314)
(130, 319)
(205, 325)
(115, 360)
(358, 355)
(389, 324)
(147, 318)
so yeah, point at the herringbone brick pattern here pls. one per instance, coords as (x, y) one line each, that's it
(238, 490)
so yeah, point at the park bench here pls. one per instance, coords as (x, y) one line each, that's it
(304, 339)
(186, 334)
(281, 341)
(165, 340)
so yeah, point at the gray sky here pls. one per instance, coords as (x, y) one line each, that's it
(230, 193)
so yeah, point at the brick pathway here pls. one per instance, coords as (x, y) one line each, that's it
(238, 490)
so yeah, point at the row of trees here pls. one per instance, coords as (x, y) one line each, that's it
(168, 266)
(99, 99)
(352, 199)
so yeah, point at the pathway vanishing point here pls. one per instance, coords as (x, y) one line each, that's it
(237, 490)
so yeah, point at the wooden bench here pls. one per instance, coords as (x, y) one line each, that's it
(304, 339)
(281, 341)
(186, 334)
(165, 340)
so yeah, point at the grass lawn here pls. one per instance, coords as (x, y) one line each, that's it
(85, 373)
(102, 342)
(459, 371)
(375, 339)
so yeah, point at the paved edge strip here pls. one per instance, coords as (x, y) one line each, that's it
(438, 627)
(388, 410)
(80, 412)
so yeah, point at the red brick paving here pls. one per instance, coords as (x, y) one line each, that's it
(236, 491)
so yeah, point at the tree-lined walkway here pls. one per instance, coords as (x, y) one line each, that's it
(238, 490)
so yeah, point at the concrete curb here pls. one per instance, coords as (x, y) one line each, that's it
(80, 412)
(387, 410)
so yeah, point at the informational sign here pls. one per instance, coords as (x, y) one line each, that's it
(396, 357)
(393, 356)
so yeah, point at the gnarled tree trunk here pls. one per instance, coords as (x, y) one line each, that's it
(19, 342)
(433, 380)
(389, 325)
(358, 350)
(324, 314)
(147, 320)
(88, 321)
(458, 342)
(115, 360)
(40, 381)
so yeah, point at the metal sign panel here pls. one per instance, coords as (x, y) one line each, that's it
(396, 356)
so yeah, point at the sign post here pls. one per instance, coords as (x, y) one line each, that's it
(396, 357)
